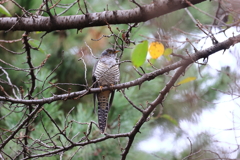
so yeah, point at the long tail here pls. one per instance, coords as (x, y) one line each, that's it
(102, 118)
(103, 108)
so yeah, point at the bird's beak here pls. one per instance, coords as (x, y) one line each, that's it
(117, 51)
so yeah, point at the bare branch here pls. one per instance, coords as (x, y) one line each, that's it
(156, 9)
(151, 107)
(145, 77)
(20, 126)
(10, 83)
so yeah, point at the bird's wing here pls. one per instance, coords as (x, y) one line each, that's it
(117, 80)
(95, 85)
(111, 99)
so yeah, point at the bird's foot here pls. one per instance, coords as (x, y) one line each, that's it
(111, 86)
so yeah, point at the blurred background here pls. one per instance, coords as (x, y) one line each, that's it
(201, 115)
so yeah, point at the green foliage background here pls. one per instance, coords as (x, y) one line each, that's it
(66, 46)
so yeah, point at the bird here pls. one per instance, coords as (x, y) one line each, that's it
(105, 74)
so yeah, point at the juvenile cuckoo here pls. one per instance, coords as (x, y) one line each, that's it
(105, 73)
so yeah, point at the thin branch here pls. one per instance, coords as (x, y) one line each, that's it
(90, 49)
(215, 18)
(10, 41)
(189, 59)
(85, 68)
(19, 6)
(107, 136)
(140, 110)
(10, 83)
(50, 75)
(69, 7)
(33, 83)
(62, 132)
(11, 51)
(151, 107)
(29, 62)
(20, 126)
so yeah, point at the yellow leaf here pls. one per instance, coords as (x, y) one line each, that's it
(186, 80)
(156, 49)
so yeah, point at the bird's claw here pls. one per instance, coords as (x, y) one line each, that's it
(112, 85)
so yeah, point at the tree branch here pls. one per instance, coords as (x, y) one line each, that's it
(146, 12)
(20, 126)
(145, 77)
(151, 107)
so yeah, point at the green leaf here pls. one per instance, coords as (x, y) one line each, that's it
(38, 32)
(4, 11)
(170, 118)
(139, 54)
(186, 80)
(230, 19)
(35, 43)
(167, 52)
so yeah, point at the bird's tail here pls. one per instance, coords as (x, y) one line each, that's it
(103, 108)
(102, 116)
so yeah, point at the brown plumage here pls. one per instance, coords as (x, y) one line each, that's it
(105, 73)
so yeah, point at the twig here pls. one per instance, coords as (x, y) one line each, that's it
(90, 49)
(52, 73)
(85, 68)
(151, 64)
(20, 126)
(11, 51)
(85, 4)
(53, 6)
(191, 149)
(140, 110)
(69, 7)
(146, 77)
(137, 70)
(190, 15)
(62, 132)
(10, 83)
(151, 107)
(215, 18)
(10, 41)
(133, 1)
(19, 6)
(48, 9)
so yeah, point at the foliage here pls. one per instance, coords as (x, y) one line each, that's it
(156, 50)
(140, 53)
(4, 11)
(57, 69)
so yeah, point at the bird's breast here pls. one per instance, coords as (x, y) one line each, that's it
(107, 74)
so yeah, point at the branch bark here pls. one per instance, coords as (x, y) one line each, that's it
(191, 58)
(146, 12)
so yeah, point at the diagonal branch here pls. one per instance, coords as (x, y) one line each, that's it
(65, 148)
(151, 107)
(131, 135)
(20, 126)
(146, 12)
(189, 59)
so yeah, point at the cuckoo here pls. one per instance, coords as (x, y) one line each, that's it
(105, 73)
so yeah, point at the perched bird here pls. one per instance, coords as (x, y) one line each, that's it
(105, 73)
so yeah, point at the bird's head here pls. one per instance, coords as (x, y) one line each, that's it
(110, 52)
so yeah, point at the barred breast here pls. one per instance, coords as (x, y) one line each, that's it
(107, 74)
